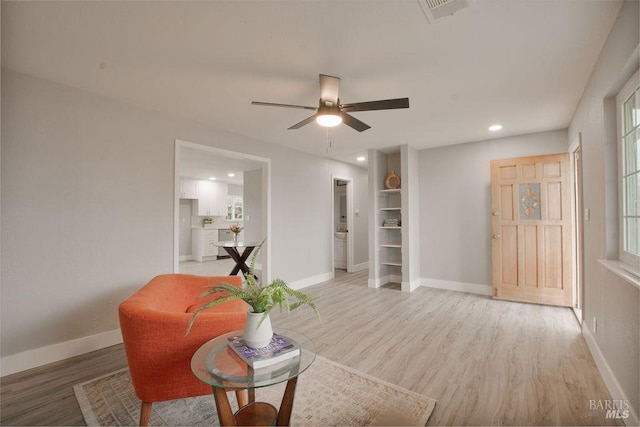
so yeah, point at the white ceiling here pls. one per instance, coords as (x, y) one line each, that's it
(205, 164)
(522, 63)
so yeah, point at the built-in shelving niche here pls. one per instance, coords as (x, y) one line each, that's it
(389, 247)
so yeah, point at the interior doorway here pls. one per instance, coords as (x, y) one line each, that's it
(342, 223)
(214, 189)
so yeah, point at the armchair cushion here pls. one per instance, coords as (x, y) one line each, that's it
(154, 322)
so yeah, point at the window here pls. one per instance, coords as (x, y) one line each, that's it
(234, 207)
(628, 102)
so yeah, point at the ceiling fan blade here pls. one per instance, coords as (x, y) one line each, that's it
(329, 88)
(304, 122)
(387, 104)
(354, 123)
(273, 104)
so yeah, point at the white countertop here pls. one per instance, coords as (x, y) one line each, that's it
(216, 226)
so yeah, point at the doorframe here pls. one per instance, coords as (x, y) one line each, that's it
(577, 226)
(266, 200)
(350, 221)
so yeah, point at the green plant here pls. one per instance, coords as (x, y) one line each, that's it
(261, 299)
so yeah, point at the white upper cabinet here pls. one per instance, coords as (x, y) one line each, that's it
(212, 198)
(188, 188)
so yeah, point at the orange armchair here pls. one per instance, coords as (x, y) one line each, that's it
(153, 323)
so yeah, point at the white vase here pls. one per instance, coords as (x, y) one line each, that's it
(254, 336)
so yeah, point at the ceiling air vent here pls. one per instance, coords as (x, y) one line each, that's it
(436, 9)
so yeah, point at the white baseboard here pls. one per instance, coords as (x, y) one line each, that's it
(391, 278)
(471, 288)
(310, 281)
(608, 376)
(186, 258)
(374, 283)
(360, 267)
(56, 352)
(410, 286)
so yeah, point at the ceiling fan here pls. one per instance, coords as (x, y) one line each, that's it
(330, 112)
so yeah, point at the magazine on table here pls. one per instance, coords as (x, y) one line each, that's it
(280, 348)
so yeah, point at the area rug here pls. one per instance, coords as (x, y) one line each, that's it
(327, 394)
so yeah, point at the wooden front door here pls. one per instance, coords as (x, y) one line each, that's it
(531, 229)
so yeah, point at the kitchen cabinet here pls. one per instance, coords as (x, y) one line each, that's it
(188, 188)
(224, 235)
(204, 243)
(212, 198)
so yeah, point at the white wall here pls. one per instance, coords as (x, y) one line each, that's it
(235, 190)
(361, 220)
(184, 213)
(411, 214)
(613, 301)
(455, 203)
(87, 209)
(252, 201)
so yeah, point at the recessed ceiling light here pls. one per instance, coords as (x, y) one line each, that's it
(231, 175)
(495, 128)
(212, 178)
(361, 159)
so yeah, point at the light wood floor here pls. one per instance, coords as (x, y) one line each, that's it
(486, 362)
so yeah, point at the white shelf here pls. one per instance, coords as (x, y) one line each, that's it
(391, 228)
(392, 190)
(390, 209)
(395, 264)
(391, 246)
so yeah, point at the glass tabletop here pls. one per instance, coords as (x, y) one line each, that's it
(216, 364)
(240, 244)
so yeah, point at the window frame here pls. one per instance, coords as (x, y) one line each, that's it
(628, 90)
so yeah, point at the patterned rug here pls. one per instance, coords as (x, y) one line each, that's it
(327, 394)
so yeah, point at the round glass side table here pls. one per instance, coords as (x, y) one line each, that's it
(216, 364)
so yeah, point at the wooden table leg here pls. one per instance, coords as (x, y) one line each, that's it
(225, 414)
(145, 413)
(284, 414)
(252, 391)
(241, 397)
(239, 259)
(244, 257)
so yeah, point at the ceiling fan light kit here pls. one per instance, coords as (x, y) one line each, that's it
(328, 120)
(331, 113)
(328, 116)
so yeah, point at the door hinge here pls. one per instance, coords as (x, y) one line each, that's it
(495, 293)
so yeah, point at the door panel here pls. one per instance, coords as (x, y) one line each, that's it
(530, 256)
(552, 257)
(531, 228)
(554, 200)
(506, 201)
(509, 243)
